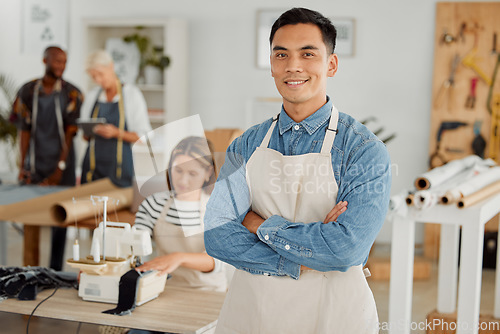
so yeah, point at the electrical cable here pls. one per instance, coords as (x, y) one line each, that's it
(28, 324)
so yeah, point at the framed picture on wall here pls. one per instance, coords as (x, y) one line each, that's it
(44, 23)
(265, 20)
(345, 36)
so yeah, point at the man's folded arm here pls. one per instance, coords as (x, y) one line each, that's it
(345, 243)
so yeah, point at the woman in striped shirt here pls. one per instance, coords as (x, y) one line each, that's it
(175, 219)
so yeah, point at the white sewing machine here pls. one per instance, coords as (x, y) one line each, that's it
(100, 275)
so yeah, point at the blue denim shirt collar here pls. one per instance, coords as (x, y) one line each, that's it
(311, 123)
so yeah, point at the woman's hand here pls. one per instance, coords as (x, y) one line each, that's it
(335, 212)
(164, 264)
(107, 131)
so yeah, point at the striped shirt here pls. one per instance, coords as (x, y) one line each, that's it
(180, 213)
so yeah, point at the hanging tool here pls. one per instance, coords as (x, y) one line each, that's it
(470, 61)
(471, 99)
(437, 159)
(388, 139)
(448, 85)
(447, 38)
(479, 143)
(369, 119)
(495, 130)
(461, 33)
(454, 150)
(494, 48)
(493, 79)
(378, 131)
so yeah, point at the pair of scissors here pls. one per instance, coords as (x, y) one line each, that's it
(448, 84)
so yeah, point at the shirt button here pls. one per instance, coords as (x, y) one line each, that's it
(266, 237)
(287, 247)
(296, 127)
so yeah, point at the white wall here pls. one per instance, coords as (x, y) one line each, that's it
(389, 77)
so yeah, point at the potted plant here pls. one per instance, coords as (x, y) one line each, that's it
(143, 43)
(155, 63)
(8, 131)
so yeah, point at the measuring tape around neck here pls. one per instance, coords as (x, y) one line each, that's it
(119, 146)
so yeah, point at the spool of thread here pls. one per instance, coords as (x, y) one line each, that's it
(76, 251)
(96, 250)
(117, 255)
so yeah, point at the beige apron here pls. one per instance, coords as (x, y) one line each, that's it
(318, 302)
(170, 238)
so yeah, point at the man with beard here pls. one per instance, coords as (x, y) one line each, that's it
(45, 111)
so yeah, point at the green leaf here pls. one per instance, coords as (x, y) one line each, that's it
(8, 131)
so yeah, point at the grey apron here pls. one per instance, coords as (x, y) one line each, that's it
(105, 151)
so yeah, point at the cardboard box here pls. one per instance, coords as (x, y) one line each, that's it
(220, 139)
(380, 268)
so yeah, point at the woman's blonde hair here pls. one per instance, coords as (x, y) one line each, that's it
(198, 148)
(98, 58)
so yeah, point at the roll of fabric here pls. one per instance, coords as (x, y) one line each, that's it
(426, 199)
(440, 175)
(472, 185)
(397, 204)
(410, 199)
(83, 208)
(480, 195)
(37, 209)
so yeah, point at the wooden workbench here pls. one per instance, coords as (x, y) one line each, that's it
(176, 310)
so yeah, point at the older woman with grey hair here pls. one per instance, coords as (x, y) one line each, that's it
(109, 152)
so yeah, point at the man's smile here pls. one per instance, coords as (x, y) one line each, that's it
(295, 82)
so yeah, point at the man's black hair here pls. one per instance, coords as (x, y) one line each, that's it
(304, 15)
(50, 49)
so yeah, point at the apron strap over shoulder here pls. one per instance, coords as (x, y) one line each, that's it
(331, 131)
(267, 138)
(34, 117)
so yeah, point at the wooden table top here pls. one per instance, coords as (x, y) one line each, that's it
(176, 310)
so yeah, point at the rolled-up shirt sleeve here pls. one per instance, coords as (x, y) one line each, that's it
(339, 245)
(225, 237)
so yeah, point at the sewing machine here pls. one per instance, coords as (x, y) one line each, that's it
(100, 275)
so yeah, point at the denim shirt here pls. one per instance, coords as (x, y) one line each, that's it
(361, 167)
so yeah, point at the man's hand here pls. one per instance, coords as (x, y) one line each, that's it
(332, 216)
(24, 176)
(252, 221)
(164, 264)
(335, 212)
(54, 179)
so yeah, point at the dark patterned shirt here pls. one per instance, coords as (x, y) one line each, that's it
(71, 101)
